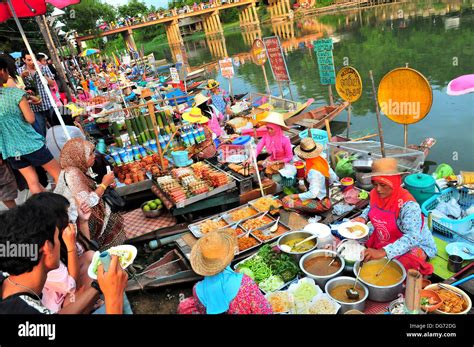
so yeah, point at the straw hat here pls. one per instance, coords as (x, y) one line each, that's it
(275, 118)
(213, 252)
(211, 84)
(200, 99)
(308, 149)
(195, 116)
(384, 167)
(266, 107)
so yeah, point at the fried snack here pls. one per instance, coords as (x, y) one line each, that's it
(264, 204)
(451, 302)
(255, 223)
(280, 302)
(242, 214)
(211, 225)
(260, 234)
(246, 243)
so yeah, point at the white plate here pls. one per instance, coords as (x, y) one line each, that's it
(342, 230)
(111, 250)
(325, 297)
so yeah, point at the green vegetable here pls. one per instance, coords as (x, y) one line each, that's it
(247, 271)
(271, 284)
(258, 267)
(424, 302)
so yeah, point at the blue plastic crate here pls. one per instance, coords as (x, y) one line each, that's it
(448, 227)
(318, 135)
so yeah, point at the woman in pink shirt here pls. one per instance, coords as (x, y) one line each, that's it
(277, 144)
(84, 96)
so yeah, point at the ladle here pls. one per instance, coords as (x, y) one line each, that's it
(335, 257)
(351, 292)
(288, 249)
(383, 268)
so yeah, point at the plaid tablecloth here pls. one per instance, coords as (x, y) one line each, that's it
(136, 224)
(372, 307)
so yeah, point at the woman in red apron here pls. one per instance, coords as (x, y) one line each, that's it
(400, 231)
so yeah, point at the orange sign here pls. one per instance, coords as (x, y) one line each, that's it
(405, 96)
(258, 52)
(349, 84)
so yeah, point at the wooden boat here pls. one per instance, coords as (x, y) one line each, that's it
(288, 108)
(314, 119)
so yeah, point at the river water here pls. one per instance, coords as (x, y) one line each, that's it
(433, 37)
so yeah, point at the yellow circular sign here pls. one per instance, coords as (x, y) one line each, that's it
(405, 96)
(258, 52)
(349, 84)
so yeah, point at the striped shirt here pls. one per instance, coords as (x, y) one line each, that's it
(34, 79)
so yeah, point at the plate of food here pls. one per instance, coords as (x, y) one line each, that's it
(281, 301)
(454, 300)
(266, 203)
(323, 304)
(353, 230)
(239, 214)
(126, 254)
(199, 229)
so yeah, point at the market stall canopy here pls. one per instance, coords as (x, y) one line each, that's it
(30, 8)
(462, 85)
(89, 51)
(15, 55)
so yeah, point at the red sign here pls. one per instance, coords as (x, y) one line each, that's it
(276, 58)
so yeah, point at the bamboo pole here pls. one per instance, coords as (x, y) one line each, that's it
(348, 120)
(328, 128)
(405, 134)
(377, 112)
(266, 79)
(151, 109)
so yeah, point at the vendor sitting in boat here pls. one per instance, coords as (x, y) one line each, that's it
(207, 148)
(400, 230)
(211, 112)
(218, 97)
(222, 290)
(318, 177)
(276, 143)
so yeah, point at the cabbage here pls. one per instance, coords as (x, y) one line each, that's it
(305, 292)
(271, 284)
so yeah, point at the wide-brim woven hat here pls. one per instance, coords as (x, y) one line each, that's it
(213, 252)
(195, 116)
(146, 93)
(200, 99)
(308, 149)
(384, 167)
(275, 118)
(211, 84)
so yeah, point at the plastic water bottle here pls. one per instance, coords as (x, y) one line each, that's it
(202, 134)
(196, 135)
(101, 147)
(105, 260)
(185, 138)
(162, 141)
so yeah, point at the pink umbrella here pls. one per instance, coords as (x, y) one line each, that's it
(462, 85)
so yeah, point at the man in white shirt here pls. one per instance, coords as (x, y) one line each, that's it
(55, 136)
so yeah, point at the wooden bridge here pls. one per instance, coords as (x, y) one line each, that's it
(211, 21)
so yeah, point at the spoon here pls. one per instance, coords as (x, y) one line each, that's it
(467, 251)
(335, 257)
(263, 215)
(351, 292)
(273, 228)
(383, 268)
(287, 248)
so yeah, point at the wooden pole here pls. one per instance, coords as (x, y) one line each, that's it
(254, 157)
(348, 120)
(405, 134)
(331, 99)
(151, 110)
(328, 129)
(266, 79)
(377, 112)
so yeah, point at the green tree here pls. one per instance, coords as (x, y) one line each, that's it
(133, 8)
(83, 16)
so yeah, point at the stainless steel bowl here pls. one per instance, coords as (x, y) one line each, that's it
(296, 235)
(362, 165)
(346, 306)
(383, 293)
(321, 280)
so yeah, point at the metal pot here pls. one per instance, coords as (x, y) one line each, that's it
(362, 165)
(346, 306)
(296, 235)
(362, 181)
(321, 280)
(383, 293)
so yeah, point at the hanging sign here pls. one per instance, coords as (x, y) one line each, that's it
(405, 96)
(323, 49)
(227, 68)
(277, 59)
(258, 53)
(349, 84)
(174, 75)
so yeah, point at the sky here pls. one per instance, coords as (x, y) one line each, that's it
(156, 3)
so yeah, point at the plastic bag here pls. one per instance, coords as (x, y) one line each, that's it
(344, 167)
(289, 171)
(340, 209)
(450, 208)
(442, 171)
(351, 196)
